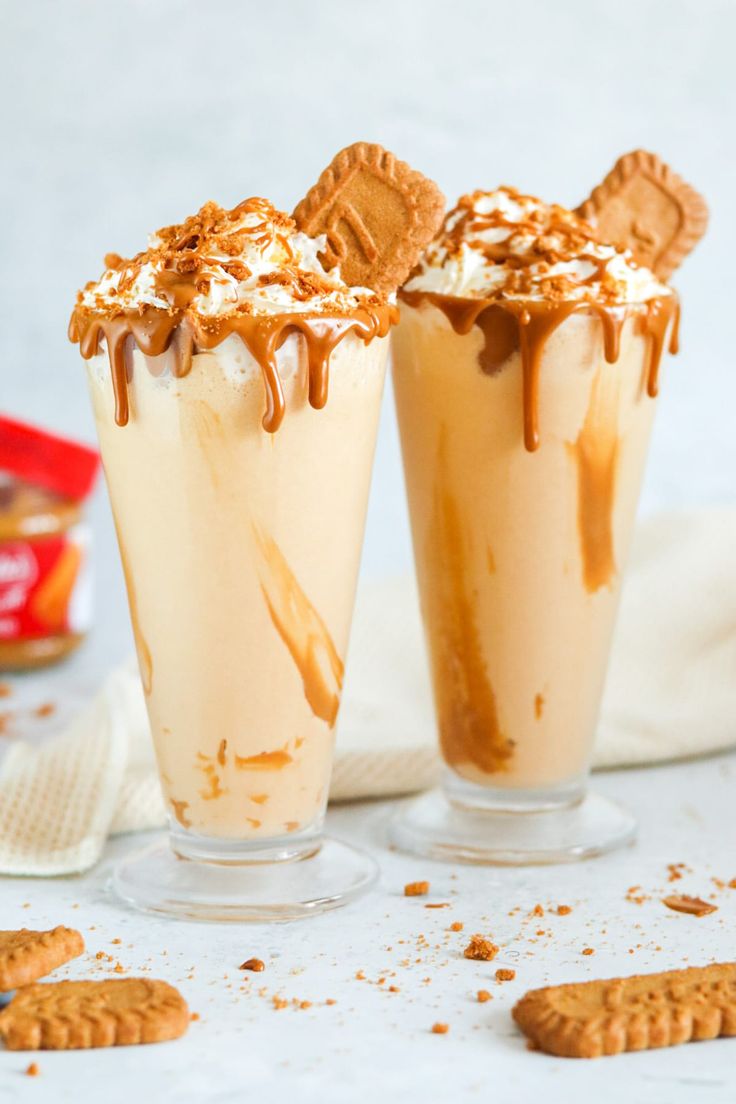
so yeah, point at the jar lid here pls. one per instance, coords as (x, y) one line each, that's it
(49, 461)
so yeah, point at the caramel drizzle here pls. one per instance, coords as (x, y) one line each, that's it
(155, 330)
(180, 812)
(533, 323)
(264, 761)
(654, 325)
(469, 725)
(302, 630)
(145, 659)
(596, 455)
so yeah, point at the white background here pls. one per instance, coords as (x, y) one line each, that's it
(119, 118)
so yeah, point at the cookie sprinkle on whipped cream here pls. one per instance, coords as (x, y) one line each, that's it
(248, 260)
(502, 245)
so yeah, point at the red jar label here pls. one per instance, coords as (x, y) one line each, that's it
(44, 586)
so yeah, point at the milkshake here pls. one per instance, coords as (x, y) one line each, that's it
(236, 383)
(240, 552)
(525, 373)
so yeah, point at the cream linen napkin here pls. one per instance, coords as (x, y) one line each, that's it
(671, 693)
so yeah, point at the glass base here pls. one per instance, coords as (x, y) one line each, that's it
(158, 880)
(436, 829)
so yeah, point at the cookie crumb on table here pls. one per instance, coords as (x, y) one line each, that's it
(480, 948)
(253, 964)
(416, 889)
(694, 906)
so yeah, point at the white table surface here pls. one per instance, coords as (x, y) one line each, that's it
(373, 1043)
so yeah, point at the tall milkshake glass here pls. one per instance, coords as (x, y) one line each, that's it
(525, 370)
(240, 535)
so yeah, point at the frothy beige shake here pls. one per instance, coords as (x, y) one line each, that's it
(525, 370)
(236, 386)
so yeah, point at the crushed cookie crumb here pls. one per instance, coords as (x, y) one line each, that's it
(194, 1017)
(505, 974)
(416, 889)
(440, 1028)
(563, 910)
(253, 964)
(481, 949)
(537, 911)
(33, 1070)
(456, 925)
(588, 951)
(483, 995)
(675, 871)
(693, 906)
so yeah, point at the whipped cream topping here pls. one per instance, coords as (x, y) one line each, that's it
(249, 260)
(504, 245)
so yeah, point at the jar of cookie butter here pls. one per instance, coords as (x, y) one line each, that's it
(45, 586)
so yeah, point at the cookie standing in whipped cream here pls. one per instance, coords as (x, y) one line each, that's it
(518, 268)
(247, 271)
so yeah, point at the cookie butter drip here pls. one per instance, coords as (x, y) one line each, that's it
(596, 456)
(145, 660)
(303, 632)
(264, 761)
(180, 812)
(518, 268)
(470, 731)
(654, 325)
(246, 272)
(509, 325)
